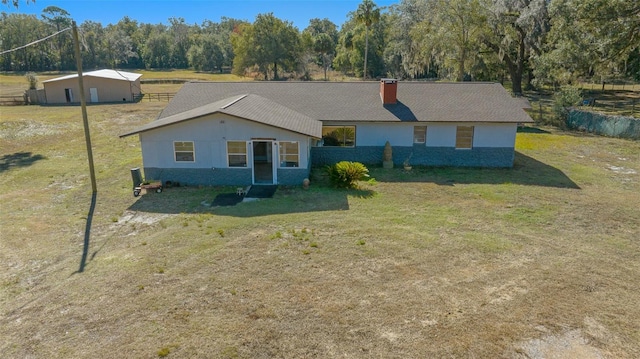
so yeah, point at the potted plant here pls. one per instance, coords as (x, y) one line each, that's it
(407, 163)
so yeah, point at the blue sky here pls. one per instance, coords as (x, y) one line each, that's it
(195, 11)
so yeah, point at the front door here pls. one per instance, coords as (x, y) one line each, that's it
(68, 94)
(94, 94)
(262, 152)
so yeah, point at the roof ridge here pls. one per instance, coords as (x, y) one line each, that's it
(234, 101)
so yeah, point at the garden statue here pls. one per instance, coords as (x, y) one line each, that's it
(387, 156)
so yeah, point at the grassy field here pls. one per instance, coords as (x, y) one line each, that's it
(431, 263)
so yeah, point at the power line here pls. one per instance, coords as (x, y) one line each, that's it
(34, 42)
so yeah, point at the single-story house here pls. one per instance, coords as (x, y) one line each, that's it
(214, 133)
(99, 86)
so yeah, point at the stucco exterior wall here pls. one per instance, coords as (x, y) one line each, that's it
(493, 145)
(109, 90)
(438, 134)
(377, 134)
(210, 166)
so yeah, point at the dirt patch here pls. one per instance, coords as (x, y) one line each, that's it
(141, 217)
(569, 345)
(622, 170)
(28, 128)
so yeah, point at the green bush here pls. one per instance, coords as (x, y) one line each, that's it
(567, 97)
(346, 174)
(32, 79)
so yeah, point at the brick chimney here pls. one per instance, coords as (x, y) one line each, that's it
(389, 91)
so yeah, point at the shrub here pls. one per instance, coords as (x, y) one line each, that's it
(568, 96)
(346, 174)
(32, 79)
(164, 352)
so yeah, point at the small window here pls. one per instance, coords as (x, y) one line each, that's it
(464, 137)
(339, 136)
(184, 151)
(419, 134)
(289, 154)
(237, 153)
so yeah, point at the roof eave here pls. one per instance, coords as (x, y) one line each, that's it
(141, 130)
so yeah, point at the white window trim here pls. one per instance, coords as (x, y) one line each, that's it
(246, 154)
(175, 152)
(280, 154)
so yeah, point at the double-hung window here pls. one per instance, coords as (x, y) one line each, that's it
(289, 154)
(420, 134)
(184, 151)
(237, 153)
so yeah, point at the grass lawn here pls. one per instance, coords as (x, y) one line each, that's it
(431, 263)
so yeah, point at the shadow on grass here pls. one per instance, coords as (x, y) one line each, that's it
(18, 159)
(286, 200)
(526, 171)
(87, 233)
(320, 197)
(526, 129)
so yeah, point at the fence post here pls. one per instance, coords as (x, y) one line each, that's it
(540, 111)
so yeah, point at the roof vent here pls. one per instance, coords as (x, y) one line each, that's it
(389, 91)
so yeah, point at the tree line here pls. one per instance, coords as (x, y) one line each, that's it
(529, 42)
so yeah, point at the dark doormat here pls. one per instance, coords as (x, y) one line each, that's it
(260, 191)
(227, 199)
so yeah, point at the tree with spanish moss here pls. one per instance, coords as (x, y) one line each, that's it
(516, 31)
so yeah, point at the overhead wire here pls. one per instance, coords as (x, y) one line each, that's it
(35, 42)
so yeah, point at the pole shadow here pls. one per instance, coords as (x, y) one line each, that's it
(87, 233)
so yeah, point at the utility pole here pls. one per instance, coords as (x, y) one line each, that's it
(83, 105)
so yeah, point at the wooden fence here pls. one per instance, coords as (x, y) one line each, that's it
(12, 100)
(611, 85)
(166, 96)
(629, 107)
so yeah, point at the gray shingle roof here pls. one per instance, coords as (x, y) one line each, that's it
(251, 107)
(282, 103)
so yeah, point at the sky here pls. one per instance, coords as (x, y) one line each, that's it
(299, 12)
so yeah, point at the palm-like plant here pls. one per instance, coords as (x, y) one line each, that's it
(367, 14)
